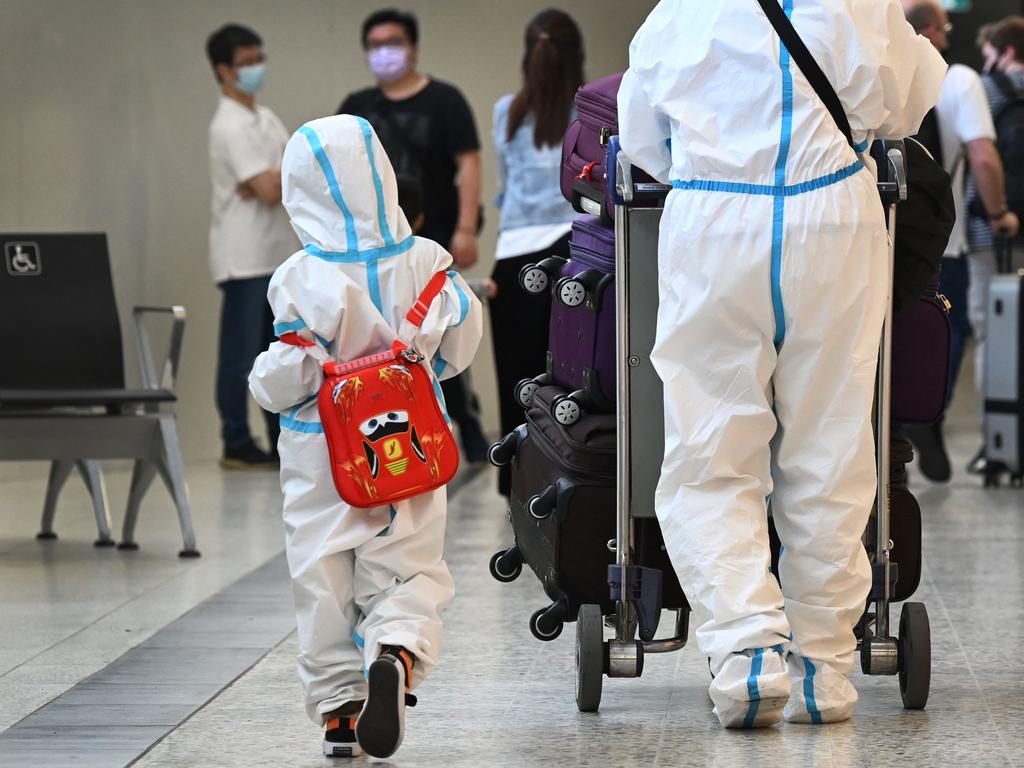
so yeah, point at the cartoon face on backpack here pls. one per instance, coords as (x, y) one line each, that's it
(388, 438)
(392, 437)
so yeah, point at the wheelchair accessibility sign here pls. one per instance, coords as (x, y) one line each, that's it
(23, 259)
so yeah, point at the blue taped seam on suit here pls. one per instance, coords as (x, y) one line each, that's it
(332, 185)
(768, 190)
(280, 329)
(387, 528)
(356, 256)
(373, 284)
(812, 705)
(440, 399)
(295, 325)
(358, 640)
(752, 692)
(306, 427)
(382, 218)
(779, 208)
(463, 299)
(439, 365)
(862, 147)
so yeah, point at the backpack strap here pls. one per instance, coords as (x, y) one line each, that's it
(426, 298)
(805, 61)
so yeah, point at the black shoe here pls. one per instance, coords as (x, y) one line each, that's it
(340, 735)
(381, 725)
(248, 456)
(931, 450)
(979, 464)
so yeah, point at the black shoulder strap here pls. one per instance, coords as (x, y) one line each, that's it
(804, 60)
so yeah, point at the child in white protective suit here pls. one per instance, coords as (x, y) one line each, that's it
(369, 584)
(772, 263)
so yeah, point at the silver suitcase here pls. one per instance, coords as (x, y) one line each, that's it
(1004, 380)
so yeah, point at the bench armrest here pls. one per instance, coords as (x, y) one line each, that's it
(150, 380)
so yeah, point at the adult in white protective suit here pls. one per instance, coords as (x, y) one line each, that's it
(364, 581)
(772, 260)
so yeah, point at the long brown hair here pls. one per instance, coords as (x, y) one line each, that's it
(552, 71)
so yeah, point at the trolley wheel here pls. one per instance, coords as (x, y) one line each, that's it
(541, 505)
(571, 291)
(503, 451)
(534, 279)
(915, 655)
(566, 410)
(525, 390)
(589, 658)
(506, 565)
(1017, 481)
(543, 627)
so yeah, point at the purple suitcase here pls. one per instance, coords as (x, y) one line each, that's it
(920, 360)
(583, 153)
(581, 336)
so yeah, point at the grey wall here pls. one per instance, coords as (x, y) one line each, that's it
(104, 107)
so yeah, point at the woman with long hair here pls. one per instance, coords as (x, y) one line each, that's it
(535, 218)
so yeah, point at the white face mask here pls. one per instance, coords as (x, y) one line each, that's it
(251, 77)
(388, 63)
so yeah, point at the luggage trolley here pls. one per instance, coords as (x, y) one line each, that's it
(637, 216)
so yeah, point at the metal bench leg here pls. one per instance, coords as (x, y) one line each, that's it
(172, 469)
(142, 477)
(92, 475)
(59, 472)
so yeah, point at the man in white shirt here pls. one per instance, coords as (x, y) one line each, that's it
(967, 141)
(249, 232)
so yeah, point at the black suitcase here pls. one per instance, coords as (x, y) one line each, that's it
(562, 510)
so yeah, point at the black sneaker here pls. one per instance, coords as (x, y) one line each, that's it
(979, 464)
(340, 737)
(381, 725)
(248, 456)
(931, 450)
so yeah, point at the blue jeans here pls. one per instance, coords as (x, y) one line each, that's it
(953, 283)
(246, 329)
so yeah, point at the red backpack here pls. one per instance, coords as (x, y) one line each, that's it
(386, 434)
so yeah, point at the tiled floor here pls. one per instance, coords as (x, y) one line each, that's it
(499, 697)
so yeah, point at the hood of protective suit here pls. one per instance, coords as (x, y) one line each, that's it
(339, 188)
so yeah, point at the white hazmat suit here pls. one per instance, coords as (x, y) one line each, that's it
(772, 261)
(362, 579)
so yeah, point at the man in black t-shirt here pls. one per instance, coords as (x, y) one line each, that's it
(427, 129)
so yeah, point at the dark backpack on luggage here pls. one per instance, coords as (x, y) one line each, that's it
(923, 227)
(1009, 123)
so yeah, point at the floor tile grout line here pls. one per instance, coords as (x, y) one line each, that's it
(210, 700)
(469, 475)
(157, 586)
(974, 678)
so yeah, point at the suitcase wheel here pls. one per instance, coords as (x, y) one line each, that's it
(525, 390)
(571, 291)
(915, 655)
(543, 504)
(565, 410)
(503, 451)
(1017, 481)
(590, 658)
(506, 565)
(533, 279)
(546, 624)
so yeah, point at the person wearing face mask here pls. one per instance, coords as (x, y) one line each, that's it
(428, 132)
(249, 232)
